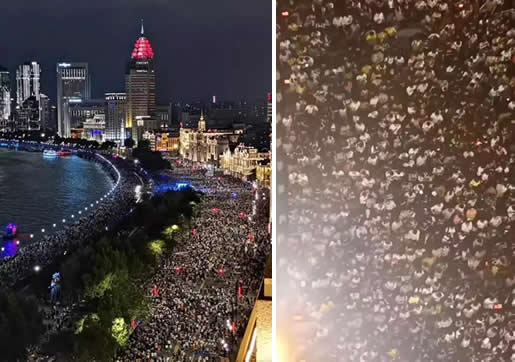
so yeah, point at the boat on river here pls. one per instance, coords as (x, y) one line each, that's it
(49, 153)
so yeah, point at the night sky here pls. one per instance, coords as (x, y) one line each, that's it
(202, 47)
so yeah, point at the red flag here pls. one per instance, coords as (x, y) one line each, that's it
(133, 324)
(194, 232)
(155, 290)
(240, 292)
(251, 237)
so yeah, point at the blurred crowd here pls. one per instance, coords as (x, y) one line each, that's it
(395, 156)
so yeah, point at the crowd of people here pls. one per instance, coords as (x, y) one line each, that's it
(396, 162)
(202, 294)
(88, 224)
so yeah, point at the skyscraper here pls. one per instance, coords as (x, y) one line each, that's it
(44, 111)
(140, 87)
(28, 115)
(27, 82)
(5, 97)
(73, 84)
(115, 117)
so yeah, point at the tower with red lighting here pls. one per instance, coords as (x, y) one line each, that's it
(140, 88)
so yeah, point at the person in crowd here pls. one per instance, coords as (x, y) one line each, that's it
(195, 292)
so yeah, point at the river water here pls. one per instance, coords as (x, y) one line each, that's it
(37, 192)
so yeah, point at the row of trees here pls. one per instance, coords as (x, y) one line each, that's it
(108, 275)
(21, 325)
(150, 160)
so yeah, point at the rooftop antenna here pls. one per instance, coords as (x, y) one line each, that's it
(142, 29)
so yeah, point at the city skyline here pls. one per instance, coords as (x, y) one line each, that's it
(199, 51)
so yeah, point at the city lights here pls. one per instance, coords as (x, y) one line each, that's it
(209, 207)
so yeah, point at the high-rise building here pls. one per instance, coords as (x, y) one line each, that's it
(175, 114)
(27, 117)
(163, 116)
(77, 111)
(5, 98)
(27, 82)
(115, 109)
(73, 85)
(44, 111)
(140, 87)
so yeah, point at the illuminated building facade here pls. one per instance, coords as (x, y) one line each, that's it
(77, 111)
(5, 98)
(264, 173)
(206, 145)
(115, 111)
(27, 82)
(94, 128)
(256, 344)
(140, 88)
(73, 86)
(44, 111)
(27, 116)
(243, 161)
(167, 142)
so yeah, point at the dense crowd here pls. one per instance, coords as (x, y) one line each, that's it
(196, 291)
(396, 161)
(88, 225)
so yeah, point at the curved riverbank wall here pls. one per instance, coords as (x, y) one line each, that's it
(102, 160)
